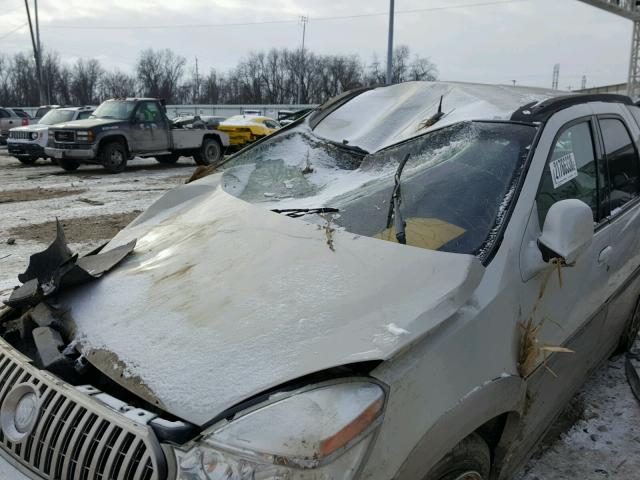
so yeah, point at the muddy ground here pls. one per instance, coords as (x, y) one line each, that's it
(597, 438)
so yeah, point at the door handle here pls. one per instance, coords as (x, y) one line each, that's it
(605, 253)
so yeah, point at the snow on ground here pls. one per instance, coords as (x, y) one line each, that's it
(600, 436)
(604, 443)
(90, 192)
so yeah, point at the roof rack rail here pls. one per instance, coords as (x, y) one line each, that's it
(541, 111)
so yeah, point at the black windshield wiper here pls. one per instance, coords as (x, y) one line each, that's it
(301, 212)
(350, 148)
(395, 215)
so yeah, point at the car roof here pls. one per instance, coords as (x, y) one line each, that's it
(85, 108)
(541, 111)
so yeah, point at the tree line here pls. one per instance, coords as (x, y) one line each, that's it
(276, 76)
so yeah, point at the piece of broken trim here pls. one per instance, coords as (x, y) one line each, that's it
(57, 268)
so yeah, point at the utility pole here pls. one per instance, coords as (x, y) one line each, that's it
(41, 84)
(303, 19)
(583, 85)
(556, 76)
(514, 82)
(390, 43)
(36, 53)
(197, 92)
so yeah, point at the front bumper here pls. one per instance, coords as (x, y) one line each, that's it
(25, 149)
(12, 470)
(86, 153)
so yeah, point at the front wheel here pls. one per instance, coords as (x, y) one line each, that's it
(68, 164)
(469, 460)
(209, 153)
(27, 160)
(113, 157)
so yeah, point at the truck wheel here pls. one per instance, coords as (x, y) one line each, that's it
(68, 164)
(170, 158)
(469, 460)
(113, 157)
(209, 153)
(27, 160)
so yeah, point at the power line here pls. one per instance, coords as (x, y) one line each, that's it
(290, 21)
(12, 31)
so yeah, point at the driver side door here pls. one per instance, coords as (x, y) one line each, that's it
(567, 305)
(150, 131)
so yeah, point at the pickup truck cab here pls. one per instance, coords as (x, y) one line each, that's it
(121, 129)
(8, 120)
(27, 143)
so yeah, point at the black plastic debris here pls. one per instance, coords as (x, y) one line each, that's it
(57, 268)
(49, 344)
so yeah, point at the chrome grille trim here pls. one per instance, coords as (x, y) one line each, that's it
(20, 135)
(64, 136)
(76, 437)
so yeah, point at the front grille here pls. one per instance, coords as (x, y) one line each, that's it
(72, 146)
(65, 136)
(75, 437)
(20, 135)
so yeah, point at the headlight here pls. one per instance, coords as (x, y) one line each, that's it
(34, 135)
(85, 135)
(319, 433)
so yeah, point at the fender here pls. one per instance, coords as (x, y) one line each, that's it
(222, 137)
(499, 396)
(105, 136)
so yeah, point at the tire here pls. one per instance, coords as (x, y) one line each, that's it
(630, 333)
(68, 164)
(113, 157)
(209, 153)
(168, 159)
(27, 160)
(469, 460)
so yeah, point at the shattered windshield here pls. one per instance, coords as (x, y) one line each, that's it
(120, 110)
(456, 186)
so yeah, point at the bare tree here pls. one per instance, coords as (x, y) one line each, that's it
(260, 77)
(86, 77)
(159, 73)
(117, 84)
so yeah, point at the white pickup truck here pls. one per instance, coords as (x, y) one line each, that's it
(121, 129)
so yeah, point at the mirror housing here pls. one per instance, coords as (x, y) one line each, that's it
(567, 231)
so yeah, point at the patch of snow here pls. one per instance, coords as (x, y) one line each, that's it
(384, 116)
(396, 330)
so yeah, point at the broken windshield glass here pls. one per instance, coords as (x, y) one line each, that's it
(456, 184)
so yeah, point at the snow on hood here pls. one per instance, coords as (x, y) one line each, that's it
(223, 299)
(383, 116)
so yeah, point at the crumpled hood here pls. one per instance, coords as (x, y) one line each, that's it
(223, 299)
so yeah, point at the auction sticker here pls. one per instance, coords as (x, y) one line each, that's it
(563, 169)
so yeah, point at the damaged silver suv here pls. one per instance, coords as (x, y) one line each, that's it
(410, 282)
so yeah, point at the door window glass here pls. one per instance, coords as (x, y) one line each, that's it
(3, 114)
(83, 115)
(622, 160)
(572, 172)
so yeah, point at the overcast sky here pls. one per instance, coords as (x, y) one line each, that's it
(495, 43)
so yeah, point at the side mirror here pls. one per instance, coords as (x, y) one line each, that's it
(567, 232)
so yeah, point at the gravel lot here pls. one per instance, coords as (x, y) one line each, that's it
(598, 437)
